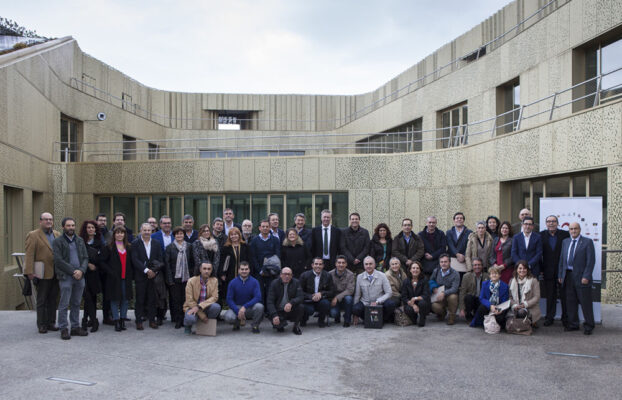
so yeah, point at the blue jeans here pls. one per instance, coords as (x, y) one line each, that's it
(116, 305)
(322, 307)
(70, 296)
(346, 304)
(212, 311)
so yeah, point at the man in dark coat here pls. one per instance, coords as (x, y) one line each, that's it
(284, 302)
(317, 286)
(434, 244)
(355, 243)
(407, 246)
(147, 264)
(552, 239)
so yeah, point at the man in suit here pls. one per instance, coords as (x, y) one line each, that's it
(518, 227)
(576, 264)
(318, 289)
(164, 237)
(457, 240)
(325, 240)
(470, 289)
(188, 225)
(228, 216)
(372, 289)
(154, 224)
(273, 219)
(247, 231)
(284, 302)
(147, 263)
(407, 246)
(304, 232)
(70, 262)
(552, 239)
(355, 243)
(39, 250)
(434, 244)
(527, 245)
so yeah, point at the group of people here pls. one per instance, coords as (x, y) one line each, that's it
(295, 274)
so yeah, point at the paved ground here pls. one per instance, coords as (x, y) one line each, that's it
(436, 361)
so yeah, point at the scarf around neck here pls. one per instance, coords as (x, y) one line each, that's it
(181, 266)
(523, 285)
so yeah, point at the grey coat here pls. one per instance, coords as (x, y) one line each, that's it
(378, 290)
(62, 266)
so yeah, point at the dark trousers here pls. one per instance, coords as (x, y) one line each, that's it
(322, 307)
(145, 300)
(295, 315)
(264, 285)
(90, 305)
(388, 309)
(482, 311)
(576, 294)
(346, 304)
(47, 297)
(418, 317)
(178, 296)
(471, 303)
(105, 298)
(551, 286)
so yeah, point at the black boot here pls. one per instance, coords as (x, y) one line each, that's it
(95, 325)
(123, 325)
(117, 325)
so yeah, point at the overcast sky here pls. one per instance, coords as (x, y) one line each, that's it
(273, 46)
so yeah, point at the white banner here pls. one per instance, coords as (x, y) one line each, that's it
(588, 212)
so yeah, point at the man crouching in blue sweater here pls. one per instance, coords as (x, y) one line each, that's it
(244, 300)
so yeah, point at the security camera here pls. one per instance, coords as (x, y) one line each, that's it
(101, 116)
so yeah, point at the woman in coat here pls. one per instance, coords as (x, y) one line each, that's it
(525, 293)
(179, 266)
(205, 249)
(415, 293)
(381, 244)
(294, 253)
(493, 293)
(479, 245)
(396, 276)
(234, 251)
(92, 238)
(116, 262)
(501, 255)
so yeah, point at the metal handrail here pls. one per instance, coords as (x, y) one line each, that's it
(338, 121)
(318, 139)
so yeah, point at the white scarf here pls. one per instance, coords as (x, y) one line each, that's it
(209, 244)
(526, 288)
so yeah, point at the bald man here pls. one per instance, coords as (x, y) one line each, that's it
(576, 265)
(518, 227)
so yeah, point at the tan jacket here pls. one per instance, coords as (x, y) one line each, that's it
(193, 291)
(39, 249)
(531, 299)
(469, 286)
(396, 283)
(471, 251)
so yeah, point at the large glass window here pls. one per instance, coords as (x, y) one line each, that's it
(277, 206)
(158, 207)
(259, 209)
(196, 205)
(241, 206)
(70, 132)
(175, 211)
(508, 106)
(216, 207)
(126, 205)
(404, 138)
(453, 123)
(144, 209)
(340, 209)
(299, 203)
(129, 148)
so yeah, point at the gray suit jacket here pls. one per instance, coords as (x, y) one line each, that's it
(584, 259)
(63, 269)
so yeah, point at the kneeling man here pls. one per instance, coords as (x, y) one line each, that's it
(372, 289)
(244, 299)
(284, 303)
(201, 298)
(317, 286)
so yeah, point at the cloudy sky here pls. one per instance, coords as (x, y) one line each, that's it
(265, 46)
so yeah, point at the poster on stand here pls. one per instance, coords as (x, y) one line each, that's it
(588, 212)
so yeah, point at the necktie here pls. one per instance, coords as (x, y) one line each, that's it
(325, 241)
(571, 255)
(370, 278)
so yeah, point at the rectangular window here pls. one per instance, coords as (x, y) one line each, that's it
(340, 208)
(241, 206)
(154, 151)
(144, 209)
(403, 138)
(236, 120)
(127, 206)
(216, 207)
(158, 207)
(129, 148)
(276, 206)
(196, 205)
(453, 129)
(175, 211)
(13, 231)
(126, 102)
(508, 106)
(299, 203)
(259, 209)
(105, 207)
(70, 139)
(322, 202)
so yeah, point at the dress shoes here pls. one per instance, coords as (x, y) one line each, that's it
(587, 332)
(297, 330)
(123, 328)
(43, 329)
(117, 326)
(64, 334)
(108, 321)
(178, 324)
(94, 325)
(322, 324)
(236, 327)
(52, 328)
(570, 329)
(139, 326)
(548, 322)
(255, 329)
(159, 321)
(280, 329)
(153, 325)
(346, 324)
(79, 332)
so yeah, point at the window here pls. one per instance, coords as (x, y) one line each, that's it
(236, 120)
(508, 106)
(204, 208)
(13, 231)
(403, 138)
(126, 102)
(129, 148)
(154, 151)
(597, 62)
(70, 138)
(453, 123)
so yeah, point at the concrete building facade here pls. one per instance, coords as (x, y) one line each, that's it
(523, 106)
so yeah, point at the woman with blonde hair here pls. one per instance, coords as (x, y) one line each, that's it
(294, 253)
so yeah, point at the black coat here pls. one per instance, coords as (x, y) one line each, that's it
(111, 263)
(155, 262)
(170, 259)
(376, 250)
(275, 295)
(305, 235)
(422, 289)
(326, 286)
(227, 251)
(298, 258)
(93, 282)
(317, 244)
(550, 256)
(355, 246)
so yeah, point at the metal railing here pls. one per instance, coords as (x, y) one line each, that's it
(330, 123)
(222, 143)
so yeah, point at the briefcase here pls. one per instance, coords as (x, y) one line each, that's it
(373, 317)
(206, 329)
